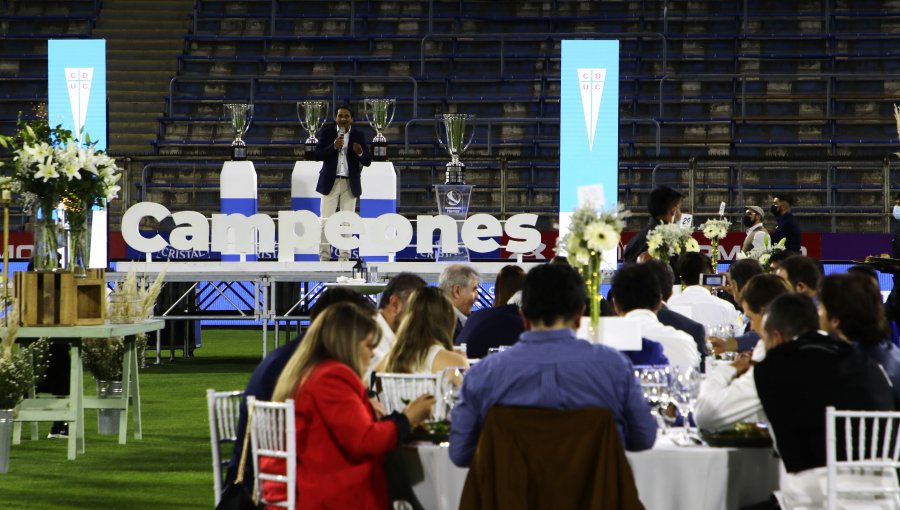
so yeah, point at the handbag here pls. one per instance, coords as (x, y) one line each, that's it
(238, 496)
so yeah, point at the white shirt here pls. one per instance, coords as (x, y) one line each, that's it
(758, 236)
(461, 317)
(707, 309)
(677, 345)
(342, 169)
(725, 400)
(384, 346)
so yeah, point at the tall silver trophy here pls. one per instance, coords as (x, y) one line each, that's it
(312, 117)
(379, 113)
(240, 115)
(451, 134)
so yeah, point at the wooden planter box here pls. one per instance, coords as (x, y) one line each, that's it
(60, 299)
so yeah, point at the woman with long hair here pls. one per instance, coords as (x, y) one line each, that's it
(499, 325)
(424, 342)
(340, 441)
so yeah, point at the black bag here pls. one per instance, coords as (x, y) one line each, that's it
(237, 496)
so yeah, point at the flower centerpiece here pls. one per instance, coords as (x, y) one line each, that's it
(715, 229)
(590, 234)
(670, 240)
(763, 254)
(50, 166)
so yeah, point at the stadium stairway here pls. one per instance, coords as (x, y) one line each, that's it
(143, 40)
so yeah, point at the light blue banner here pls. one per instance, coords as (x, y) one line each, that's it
(589, 121)
(76, 87)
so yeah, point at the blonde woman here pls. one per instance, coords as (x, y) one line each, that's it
(424, 342)
(340, 441)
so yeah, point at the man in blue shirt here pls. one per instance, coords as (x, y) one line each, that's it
(549, 367)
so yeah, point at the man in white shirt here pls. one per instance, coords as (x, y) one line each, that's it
(728, 393)
(637, 295)
(460, 283)
(757, 235)
(706, 308)
(390, 311)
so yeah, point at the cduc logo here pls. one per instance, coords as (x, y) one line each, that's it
(590, 82)
(78, 83)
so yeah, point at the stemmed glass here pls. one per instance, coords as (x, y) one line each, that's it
(450, 383)
(654, 382)
(685, 389)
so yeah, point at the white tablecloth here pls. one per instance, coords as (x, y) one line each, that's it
(668, 477)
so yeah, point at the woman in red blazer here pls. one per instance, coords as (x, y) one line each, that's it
(340, 440)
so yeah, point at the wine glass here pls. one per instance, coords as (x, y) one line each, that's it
(450, 383)
(685, 389)
(654, 381)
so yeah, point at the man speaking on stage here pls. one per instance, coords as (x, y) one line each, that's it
(339, 181)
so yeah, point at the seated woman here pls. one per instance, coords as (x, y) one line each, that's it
(850, 308)
(340, 441)
(424, 342)
(499, 325)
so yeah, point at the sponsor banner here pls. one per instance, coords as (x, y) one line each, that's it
(589, 122)
(76, 87)
(854, 246)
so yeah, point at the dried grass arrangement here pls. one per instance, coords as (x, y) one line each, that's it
(20, 366)
(129, 302)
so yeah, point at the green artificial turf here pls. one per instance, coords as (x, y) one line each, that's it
(170, 468)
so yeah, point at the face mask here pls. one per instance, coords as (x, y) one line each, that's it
(748, 221)
(897, 212)
(774, 210)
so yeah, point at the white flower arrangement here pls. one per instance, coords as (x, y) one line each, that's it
(715, 229)
(670, 240)
(763, 254)
(590, 234)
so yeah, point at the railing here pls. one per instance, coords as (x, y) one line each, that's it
(491, 121)
(254, 82)
(503, 37)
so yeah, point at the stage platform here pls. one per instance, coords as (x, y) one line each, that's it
(257, 283)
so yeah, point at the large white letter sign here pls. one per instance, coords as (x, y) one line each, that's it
(191, 231)
(521, 226)
(298, 232)
(234, 233)
(425, 227)
(131, 223)
(341, 228)
(386, 234)
(478, 226)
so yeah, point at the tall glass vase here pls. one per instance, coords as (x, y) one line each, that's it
(79, 219)
(46, 235)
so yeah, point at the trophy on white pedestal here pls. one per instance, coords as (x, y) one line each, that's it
(312, 116)
(379, 113)
(240, 116)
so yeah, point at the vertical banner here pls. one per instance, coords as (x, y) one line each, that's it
(76, 99)
(589, 124)
(76, 87)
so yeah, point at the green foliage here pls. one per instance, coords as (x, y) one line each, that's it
(18, 372)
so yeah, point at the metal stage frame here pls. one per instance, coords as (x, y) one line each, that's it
(260, 279)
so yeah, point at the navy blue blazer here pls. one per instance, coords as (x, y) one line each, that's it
(651, 353)
(490, 327)
(328, 155)
(686, 324)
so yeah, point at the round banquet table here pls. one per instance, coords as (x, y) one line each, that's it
(668, 476)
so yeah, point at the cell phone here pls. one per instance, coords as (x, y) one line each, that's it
(712, 280)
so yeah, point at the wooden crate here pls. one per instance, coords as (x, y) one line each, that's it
(60, 299)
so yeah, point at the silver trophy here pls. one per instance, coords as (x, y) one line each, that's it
(240, 115)
(451, 134)
(312, 117)
(376, 111)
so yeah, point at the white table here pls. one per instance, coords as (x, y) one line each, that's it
(71, 408)
(668, 477)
